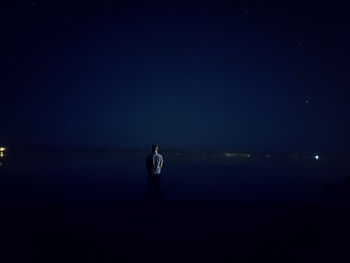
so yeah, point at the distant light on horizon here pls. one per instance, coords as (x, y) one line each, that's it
(2, 149)
(317, 157)
(231, 155)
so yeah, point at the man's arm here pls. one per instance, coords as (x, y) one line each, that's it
(161, 162)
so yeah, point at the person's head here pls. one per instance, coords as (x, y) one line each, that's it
(154, 148)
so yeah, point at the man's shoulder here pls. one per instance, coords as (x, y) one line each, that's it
(159, 155)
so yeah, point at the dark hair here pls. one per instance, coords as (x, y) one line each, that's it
(154, 147)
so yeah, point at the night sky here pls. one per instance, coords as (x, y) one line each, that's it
(248, 75)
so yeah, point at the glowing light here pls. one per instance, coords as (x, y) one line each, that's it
(317, 157)
(1, 154)
(230, 154)
(240, 155)
(2, 149)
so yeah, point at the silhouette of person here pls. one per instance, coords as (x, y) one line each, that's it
(154, 164)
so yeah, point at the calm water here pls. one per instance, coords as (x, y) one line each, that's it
(107, 178)
(93, 208)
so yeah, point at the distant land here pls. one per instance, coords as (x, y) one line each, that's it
(227, 153)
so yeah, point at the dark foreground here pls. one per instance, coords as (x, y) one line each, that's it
(175, 234)
(79, 212)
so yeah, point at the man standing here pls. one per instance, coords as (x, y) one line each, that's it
(154, 164)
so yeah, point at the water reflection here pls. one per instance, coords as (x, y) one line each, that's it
(154, 190)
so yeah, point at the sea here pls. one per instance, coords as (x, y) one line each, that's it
(206, 207)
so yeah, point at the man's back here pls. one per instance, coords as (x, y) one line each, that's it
(154, 163)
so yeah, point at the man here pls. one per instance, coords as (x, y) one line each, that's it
(154, 164)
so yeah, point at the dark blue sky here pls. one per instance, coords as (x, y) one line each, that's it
(249, 75)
